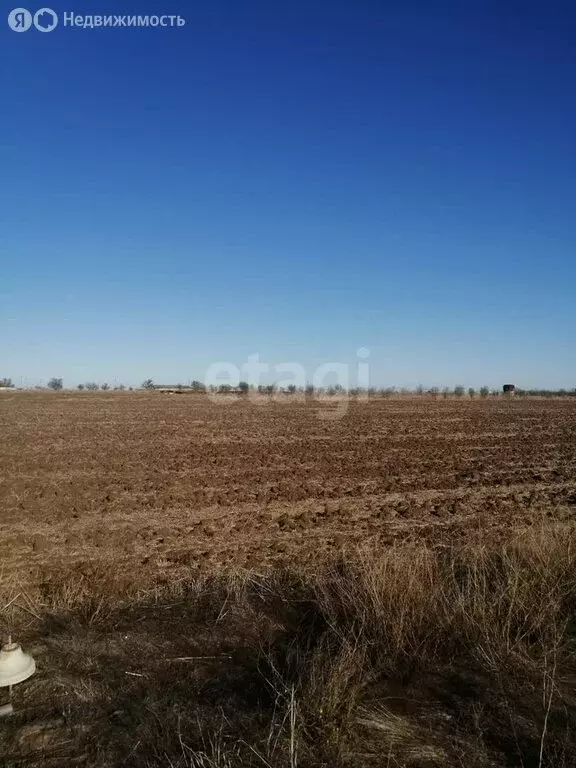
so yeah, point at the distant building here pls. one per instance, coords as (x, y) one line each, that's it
(508, 389)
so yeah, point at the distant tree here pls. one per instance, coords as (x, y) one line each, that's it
(445, 392)
(80, 387)
(309, 390)
(434, 391)
(291, 388)
(6, 383)
(148, 384)
(197, 386)
(419, 389)
(105, 387)
(55, 384)
(91, 386)
(458, 390)
(224, 388)
(243, 386)
(484, 391)
(119, 388)
(471, 392)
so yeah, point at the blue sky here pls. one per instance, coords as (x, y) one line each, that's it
(296, 180)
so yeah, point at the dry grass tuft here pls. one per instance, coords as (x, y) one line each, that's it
(404, 657)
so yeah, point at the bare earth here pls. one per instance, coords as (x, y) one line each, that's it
(172, 483)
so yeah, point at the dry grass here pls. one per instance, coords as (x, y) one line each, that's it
(403, 657)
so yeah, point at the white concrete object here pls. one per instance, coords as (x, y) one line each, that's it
(15, 665)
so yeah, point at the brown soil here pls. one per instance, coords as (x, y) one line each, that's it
(173, 484)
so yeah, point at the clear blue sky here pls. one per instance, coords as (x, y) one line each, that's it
(295, 179)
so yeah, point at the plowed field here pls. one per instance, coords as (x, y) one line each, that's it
(171, 483)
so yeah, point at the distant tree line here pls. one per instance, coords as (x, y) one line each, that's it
(92, 386)
(459, 391)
